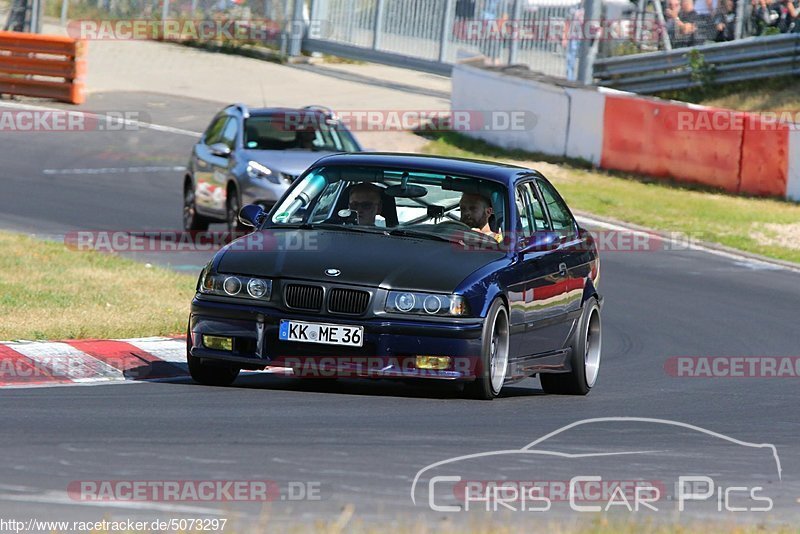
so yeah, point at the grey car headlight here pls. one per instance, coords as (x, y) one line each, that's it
(257, 170)
(426, 304)
(226, 285)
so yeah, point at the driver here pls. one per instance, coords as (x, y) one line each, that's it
(475, 212)
(365, 199)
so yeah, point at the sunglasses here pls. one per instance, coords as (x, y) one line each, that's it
(366, 205)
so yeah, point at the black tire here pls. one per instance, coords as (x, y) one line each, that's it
(495, 347)
(192, 221)
(210, 374)
(232, 207)
(587, 343)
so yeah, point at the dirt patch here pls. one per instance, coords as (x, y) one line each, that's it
(781, 235)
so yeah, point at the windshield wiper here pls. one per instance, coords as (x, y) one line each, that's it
(402, 232)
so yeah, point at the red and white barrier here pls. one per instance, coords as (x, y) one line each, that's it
(734, 151)
(793, 173)
(92, 361)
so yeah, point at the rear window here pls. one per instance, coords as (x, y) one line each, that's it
(296, 131)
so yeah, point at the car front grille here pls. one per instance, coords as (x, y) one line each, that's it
(350, 301)
(302, 297)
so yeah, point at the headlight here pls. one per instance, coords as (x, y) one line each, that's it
(226, 285)
(257, 170)
(426, 304)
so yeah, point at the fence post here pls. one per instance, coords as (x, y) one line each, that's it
(164, 13)
(447, 29)
(64, 7)
(663, 25)
(376, 25)
(739, 20)
(591, 13)
(514, 45)
(298, 29)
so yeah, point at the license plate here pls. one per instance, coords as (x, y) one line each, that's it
(329, 334)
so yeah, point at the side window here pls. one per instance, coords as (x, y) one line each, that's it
(213, 133)
(559, 213)
(537, 211)
(229, 133)
(325, 204)
(537, 220)
(524, 224)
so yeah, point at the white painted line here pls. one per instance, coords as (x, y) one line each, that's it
(57, 497)
(169, 350)
(117, 120)
(118, 170)
(65, 361)
(690, 246)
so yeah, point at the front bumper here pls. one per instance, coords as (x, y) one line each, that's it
(389, 350)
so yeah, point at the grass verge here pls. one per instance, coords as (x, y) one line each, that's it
(772, 94)
(762, 226)
(50, 292)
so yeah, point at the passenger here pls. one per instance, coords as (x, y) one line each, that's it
(365, 199)
(475, 212)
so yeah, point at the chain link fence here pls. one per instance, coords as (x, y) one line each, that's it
(530, 32)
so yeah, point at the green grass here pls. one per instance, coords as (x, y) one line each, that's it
(768, 227)
(48, 291)
(773, 94)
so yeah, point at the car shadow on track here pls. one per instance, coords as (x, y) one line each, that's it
(371, 387)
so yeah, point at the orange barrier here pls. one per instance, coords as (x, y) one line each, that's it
(666, 139)
(765, 157)
(27, 58)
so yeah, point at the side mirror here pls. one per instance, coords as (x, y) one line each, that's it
(252, 215)
(542, 241)
(220, 149)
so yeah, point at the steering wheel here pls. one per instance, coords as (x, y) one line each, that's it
(457, 225)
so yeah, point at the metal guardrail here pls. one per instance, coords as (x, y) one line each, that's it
(747, 59)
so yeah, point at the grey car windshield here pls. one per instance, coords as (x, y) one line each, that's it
(294, 131)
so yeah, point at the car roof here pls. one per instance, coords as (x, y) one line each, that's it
(261, 112)
(490, 170)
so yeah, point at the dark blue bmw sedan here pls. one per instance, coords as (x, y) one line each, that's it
(406, 266)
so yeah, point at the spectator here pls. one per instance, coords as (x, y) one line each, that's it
(492, 38)
(672, 20)
(705, 10)
(682, 24)
(725, 21)
(763, 17)
(787, 16)
(573, 30)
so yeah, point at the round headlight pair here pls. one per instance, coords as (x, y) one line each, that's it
(405, 302)
(255, 288)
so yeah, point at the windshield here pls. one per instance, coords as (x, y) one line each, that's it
(396, 201)
(297, 131)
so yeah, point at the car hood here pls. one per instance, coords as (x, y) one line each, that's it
(293, 162)
(363, 259)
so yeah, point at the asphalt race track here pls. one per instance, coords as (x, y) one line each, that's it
(361, 443)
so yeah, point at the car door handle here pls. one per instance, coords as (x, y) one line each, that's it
(562, 269)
